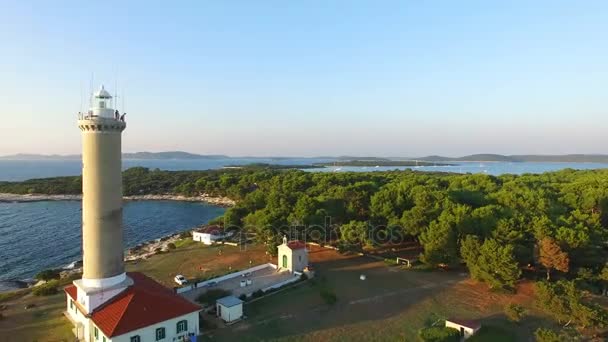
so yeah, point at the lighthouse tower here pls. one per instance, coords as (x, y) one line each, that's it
(108, 304)
(102, 232)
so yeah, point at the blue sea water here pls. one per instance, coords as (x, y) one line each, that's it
(40, 235)
(18, 170)
(490, 168)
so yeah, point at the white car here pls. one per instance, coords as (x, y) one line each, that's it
(180, 279)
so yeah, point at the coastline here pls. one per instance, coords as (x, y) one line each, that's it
(141, 251)
(205, 198)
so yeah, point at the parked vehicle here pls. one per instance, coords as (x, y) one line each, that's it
(180, 279)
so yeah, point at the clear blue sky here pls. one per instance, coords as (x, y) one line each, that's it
(305, 78)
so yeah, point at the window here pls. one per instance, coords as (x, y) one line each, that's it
(182, 326)
(103, 339)
(96, 333)
(299, 258)
(135, 338)
(71, 303)
(284, 261)
(160, 334)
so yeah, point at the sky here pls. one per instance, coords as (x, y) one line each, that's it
(310, 78)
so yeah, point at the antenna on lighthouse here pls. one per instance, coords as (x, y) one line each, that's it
(80, 95)
(91, 88)
(115, 94)
(115, 100)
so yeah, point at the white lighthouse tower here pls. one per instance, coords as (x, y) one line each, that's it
(102, 232)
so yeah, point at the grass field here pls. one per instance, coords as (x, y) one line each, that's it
(392, 304)
(45, 321)
(195, 260)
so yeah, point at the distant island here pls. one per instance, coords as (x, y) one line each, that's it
(380, 162)
(266, 166)
(351, 160)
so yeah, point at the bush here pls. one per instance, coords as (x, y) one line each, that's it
(68, 279)
(185, 235)
(514, 312)
(564, 302)
(47, 289)
(258, 293)
(243, 297)
(47, 275)
(439, 334)
(391, 262)
(546, 335)
(209, 297)
(5, 296)
(171, 245)
(328, 296)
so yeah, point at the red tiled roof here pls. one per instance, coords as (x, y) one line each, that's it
(296, 244)
(144, 303)
(72, 291)
(213, 230)
(466, 323)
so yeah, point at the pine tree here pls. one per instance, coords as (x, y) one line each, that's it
(552, 257)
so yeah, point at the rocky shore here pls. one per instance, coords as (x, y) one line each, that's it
(219, 201)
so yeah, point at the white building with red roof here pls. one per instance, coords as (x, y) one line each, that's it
(209, 234)
(292, 255)
(108, 304)
(466, 328)
(144, 311)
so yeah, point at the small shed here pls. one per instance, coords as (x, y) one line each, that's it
(229, 308)
(467, 328)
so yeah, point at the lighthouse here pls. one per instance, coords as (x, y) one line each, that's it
(108, 304)
(102, 231)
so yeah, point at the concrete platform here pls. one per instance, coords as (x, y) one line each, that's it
(260, 279)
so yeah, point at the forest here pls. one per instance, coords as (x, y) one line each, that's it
(496, 226)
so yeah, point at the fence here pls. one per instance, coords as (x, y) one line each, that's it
(235, 274)
(323, 246)
(283, 283)
(224, 277)
(184, 289)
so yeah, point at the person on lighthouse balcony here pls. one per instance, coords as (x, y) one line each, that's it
(109, 304)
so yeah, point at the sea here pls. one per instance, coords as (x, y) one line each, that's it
(18, 170)
(39, 235)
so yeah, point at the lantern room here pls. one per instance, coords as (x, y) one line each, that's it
(101, 104)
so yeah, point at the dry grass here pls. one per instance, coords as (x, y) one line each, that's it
(43, 322)
(195, 260)
(392, 304)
